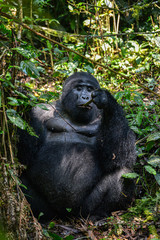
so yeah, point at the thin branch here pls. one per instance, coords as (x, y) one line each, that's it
(62, 117)
(7, 130)
(3, 53)
(21, 18)
(57, 33)
(123, 34)
(88, 59)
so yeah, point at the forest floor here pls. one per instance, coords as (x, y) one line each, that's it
(117, 226)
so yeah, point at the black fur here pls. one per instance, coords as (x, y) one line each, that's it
(81, 153)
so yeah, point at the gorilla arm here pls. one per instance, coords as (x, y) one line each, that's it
(116, 140)
(29, 145)
(43, 113)
(116, 155)
(64, 125)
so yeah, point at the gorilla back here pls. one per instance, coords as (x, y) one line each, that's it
(81, 153)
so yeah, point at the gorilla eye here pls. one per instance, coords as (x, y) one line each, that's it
(79, 88)
(90, 89)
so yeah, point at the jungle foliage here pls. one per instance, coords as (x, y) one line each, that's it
(41, 44)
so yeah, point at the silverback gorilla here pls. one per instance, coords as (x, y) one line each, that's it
(81, 153)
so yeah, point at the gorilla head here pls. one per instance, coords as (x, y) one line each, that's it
(77, 91)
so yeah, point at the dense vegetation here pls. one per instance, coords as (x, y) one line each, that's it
(42, 43)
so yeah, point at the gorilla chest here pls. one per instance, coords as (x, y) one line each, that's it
(66, 167)
(68, 155)
(67, 162)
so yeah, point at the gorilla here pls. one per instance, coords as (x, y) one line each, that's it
(83, 148)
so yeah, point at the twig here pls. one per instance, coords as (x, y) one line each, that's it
(3, 53)
(68, 228)
(91, 235)
(62, 117)
(7, 129)
(87, 103)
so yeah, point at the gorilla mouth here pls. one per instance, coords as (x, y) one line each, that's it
(85, 106)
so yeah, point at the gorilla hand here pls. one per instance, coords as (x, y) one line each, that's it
(100, 98)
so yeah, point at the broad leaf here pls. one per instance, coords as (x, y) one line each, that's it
(70, 237)
(136, 130)
(154, 161)
(130, 175)
(29, 68)
(24, 52)
(51, 224)
(42, 106)
(150, 170)
(13, 102)
(153, 137)
(157, 177)
(16, 119)
(139, 118)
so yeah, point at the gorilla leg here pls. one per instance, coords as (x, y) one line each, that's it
(110, 194)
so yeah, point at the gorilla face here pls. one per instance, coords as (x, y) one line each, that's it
(74, 98)
(82, 91)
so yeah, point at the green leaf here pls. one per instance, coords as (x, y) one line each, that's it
(123, 51)
(139, 118)
(69, 209)
(157, 41)
(24, 52)
(144, 45)
(55, 236)
(51, 224)
(13, 102)
(157, 177)
(40, 215)
(29, 68)
(30, 130)
(49, 45)
(16, 119)
(42, 106)
(46, 96)
(45, 232)
(70, 7)
(21, 94)
(154, 137)
(147, 66)
(8, 76)
(139, 70)
(138, 60)
(70, 237)
(124, 74)
(150, 145)
(150, 170)
(136, 130)
(154, 161)
(130, 175)
(22, 185)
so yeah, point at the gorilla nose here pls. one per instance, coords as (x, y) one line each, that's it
(85, 97)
